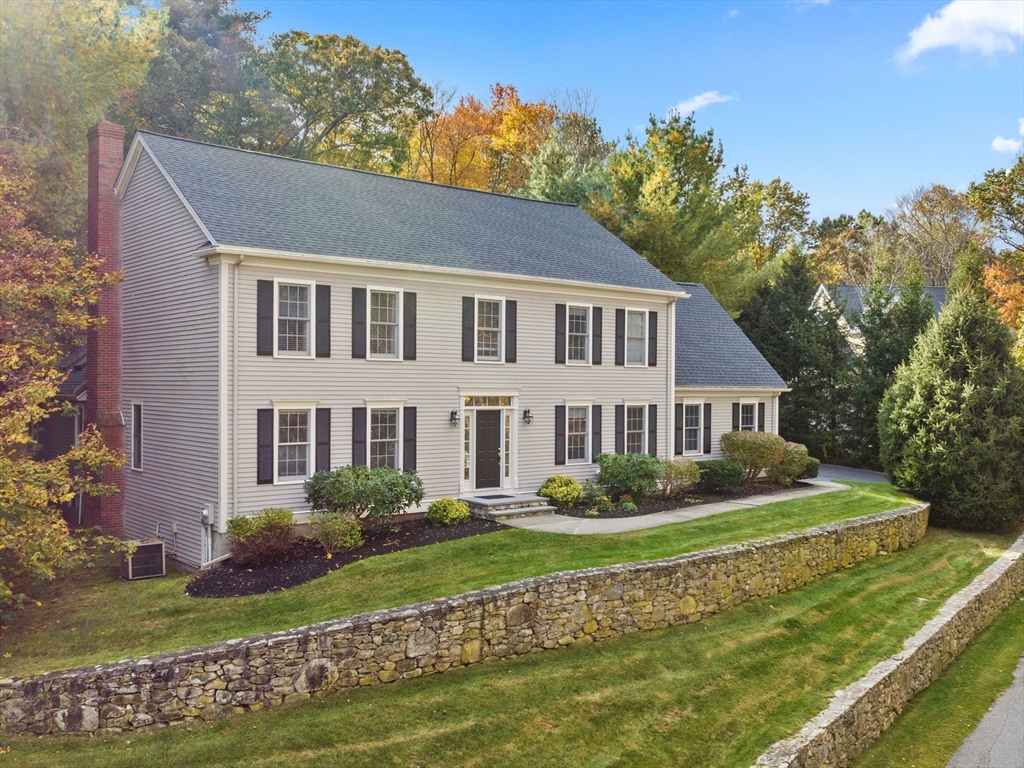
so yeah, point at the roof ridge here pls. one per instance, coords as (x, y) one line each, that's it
(354, 170)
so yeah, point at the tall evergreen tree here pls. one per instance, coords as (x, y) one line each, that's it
(809, 350)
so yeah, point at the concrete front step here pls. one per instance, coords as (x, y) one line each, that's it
(504, 506)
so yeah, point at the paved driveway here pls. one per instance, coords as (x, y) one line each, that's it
(998, 741)
(835, 472)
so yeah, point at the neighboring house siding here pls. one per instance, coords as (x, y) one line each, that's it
(721, 414)
(432, 382)
(170, 355)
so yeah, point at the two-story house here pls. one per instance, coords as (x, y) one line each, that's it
(279, 317)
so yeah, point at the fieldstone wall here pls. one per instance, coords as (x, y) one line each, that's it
(427, 638)
(859, 713)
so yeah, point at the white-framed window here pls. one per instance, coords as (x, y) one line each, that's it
(490, 317)
(692, 416)
(636, 428)
(294, 311)
(136, 435)
(577, 434)
(578, 319)
(385, 338)
(636, 337)
(748, 417)
(292, 444)
(385, 434)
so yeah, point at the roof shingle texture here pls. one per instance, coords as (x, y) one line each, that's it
(263, 201)
(712, 351)
(852, 298)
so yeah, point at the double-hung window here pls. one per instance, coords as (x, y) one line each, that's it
(136, 436)
(293, 320)
(748, 418)
(691, 428)
(636, 428)
(577, 433)
(489, 330)
(636, 337)
(578, 334)
(292, 444)
(384, 320)
(384, 438)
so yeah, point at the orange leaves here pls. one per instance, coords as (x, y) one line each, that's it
(1005, 280)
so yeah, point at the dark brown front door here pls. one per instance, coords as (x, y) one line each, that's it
(488, 449)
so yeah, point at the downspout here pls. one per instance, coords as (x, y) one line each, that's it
(234, 387)
(670, 376)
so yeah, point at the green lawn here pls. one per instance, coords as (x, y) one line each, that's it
(935, 723)
(715, 693)
(95, 617)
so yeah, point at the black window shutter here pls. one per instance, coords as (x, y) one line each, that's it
(264, 446)
(559, 434)
(359, 436)
(735, 417)
(468, 327)
(409, 323)
(620, 429)
(323, 439)
(511, 318)
(559, 333)
(409, 439)
(597, 321)
(707, 427)
(595, 432)
(760, 417)
(358, 322)
(265, 319)
(679, 429)
(323, 321)
(620, 337)
(652, 338)
(652, 429)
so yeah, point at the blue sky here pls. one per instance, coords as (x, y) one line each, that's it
(852, 102)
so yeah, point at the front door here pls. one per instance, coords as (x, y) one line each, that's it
(488, 449)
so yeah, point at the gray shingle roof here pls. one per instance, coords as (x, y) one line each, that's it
(264, 201)
(712, 351)
(851, 298)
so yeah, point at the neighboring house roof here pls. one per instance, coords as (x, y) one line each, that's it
(712, 351)
(76, 366)
(264, 201)
(851, 299)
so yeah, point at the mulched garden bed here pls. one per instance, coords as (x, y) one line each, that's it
(689, 499)
(307, 560)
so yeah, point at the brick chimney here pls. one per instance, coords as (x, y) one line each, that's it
(103, 406)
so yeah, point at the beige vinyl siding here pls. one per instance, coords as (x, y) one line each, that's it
(433, 382)
(170, 358)
(721, 412)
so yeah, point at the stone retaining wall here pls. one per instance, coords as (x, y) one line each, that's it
(498, 622)
(859, 713)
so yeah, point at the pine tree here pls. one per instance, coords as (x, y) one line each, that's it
(951, 427)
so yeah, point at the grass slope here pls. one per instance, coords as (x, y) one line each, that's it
(935, 723)
(95, 617)
(715, 693)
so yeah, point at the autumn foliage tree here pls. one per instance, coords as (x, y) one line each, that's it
(45, 292)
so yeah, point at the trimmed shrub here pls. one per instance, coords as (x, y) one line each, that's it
(794, 461)
(592, 493)
(263, 537)
(379, 493)
(636, 474)
(716, 474)
(337, 531)
(755, 451)
(448, 511)
(811, 468)
(562, 491)
(677, 475)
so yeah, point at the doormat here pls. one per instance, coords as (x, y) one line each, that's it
(496, 496)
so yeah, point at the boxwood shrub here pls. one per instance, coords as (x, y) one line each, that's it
(716, 474)
(448, 511)
(562, 491)
(636, 474)
(263, 537)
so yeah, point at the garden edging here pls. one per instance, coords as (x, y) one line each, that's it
(521, 617)
(858, 714)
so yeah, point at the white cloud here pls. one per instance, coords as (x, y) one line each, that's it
(987, 26)
(699, 101)
(999, 144)
(733, 13)
(1021, 121)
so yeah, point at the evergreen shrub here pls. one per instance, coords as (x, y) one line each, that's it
(811, 468)
(636, 474)
(337, 531)
(448, 511)
(562, 491)
(792, 466)
(716, 474)
(261, 538)
(754, 451)
(379, 493)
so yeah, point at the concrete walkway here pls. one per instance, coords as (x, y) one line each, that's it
(998, 741)
(835, 472)
(588, 525)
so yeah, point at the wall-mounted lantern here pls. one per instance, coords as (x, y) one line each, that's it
(527, 416)
(453, 417)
